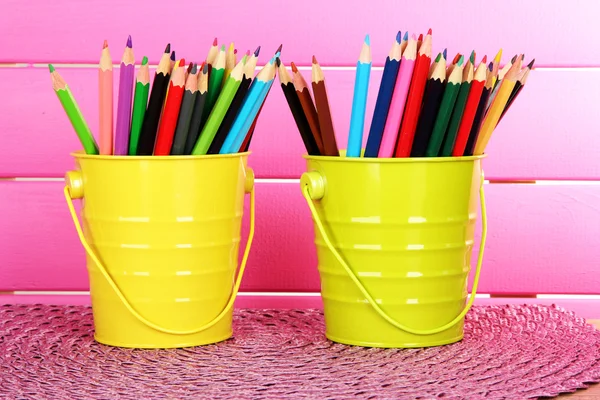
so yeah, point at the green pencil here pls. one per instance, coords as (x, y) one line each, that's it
(73, 112)
(140, 101)
(446, 106)
(459, 108)
(214, 83)
(221, 106)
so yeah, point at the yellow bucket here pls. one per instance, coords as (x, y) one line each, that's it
(162, 236)
(394, 239)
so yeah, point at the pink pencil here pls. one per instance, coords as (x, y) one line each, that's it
(392, 125)
(105, 80)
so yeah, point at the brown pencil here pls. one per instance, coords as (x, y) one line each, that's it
(322, 103)
(307, 106)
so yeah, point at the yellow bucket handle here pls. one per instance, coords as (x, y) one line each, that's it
(128, 305)
(308, 183)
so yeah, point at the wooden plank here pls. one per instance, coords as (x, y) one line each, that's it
(541, 239)
(77, 34)
(546, 135)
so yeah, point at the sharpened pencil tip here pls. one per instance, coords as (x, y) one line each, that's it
(439, 57)
(420, 39)
(460, 61)
(445, 53)
(405, 38)
(314, 60)
(367, 40)
(182, 63)
(294, 68)
(168, 48)
(484, 60)
(173, 55)
(144, 60)
(105, 45)
(398, 37)
(491, 66)
(205, 68)
(498, 56)
(472, 58)
(279, 48)
(194, 69)
(530, 65)
(248, 53)
(413, 36)
(223, 47)
(231, 46)
(278, 61)
(257, 51)
(51, 68)
(429, 32)
(215, 43)
(129, 42)
(512, 60)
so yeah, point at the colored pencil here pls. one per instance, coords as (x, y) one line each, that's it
(197, 122)
(63, 92)
(211, 57)
(434, 91)
(172, 60)
(419, 42)
(495, 110)
(214, 83)
(470, 109)
(175, 66)
(234, 107)
(308, 107)
(399, 97)
(415, 96)
(498, 81)
(220, 109)
(459, 108)
(105, 79)
(252, 103)
(442, 119)
(323, 111)
(359, 100)
(126, 79)
(293, 101)
(481, 107)
(185, 113)
(230, 62)
(522, 78)
(168, 121)
(495, 66)
(155, 104)
(384, 98)
(140, 102)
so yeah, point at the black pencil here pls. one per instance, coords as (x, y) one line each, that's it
(431, 103)
(474, 133)
(185, 112)
(155, 104)
(293, 101)
(196, 122)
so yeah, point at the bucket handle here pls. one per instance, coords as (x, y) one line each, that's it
(313, 188)
(74, 183)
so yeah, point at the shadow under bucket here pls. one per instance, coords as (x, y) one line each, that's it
(162, 236)
(394, 239)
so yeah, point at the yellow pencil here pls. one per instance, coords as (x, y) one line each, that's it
(495, 111)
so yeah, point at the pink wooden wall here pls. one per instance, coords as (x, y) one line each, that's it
(543, 234)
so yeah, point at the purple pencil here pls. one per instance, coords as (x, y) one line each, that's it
(126, 80)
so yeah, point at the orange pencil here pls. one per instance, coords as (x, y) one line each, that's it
(168, 121)
(105, 79)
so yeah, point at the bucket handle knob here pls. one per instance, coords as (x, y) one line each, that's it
(313, 188)
(74, 190)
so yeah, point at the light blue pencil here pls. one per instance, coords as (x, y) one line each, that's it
(254, 99)
(359, 102)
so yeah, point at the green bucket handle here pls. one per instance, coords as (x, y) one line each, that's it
(313, 188)
(74, 189)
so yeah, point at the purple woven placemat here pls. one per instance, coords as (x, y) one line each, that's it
(509, 352)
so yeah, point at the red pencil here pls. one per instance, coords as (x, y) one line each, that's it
(470, 109)
(168, 120)
(414, 100)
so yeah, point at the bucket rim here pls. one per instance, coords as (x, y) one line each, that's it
(374, 160)
(80, 154)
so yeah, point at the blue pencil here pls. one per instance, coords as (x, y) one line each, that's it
(384, 98)
(254, 99)
(359, 101)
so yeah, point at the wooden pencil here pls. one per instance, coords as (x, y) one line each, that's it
(82, 129)
(459, 108)
(214, 83)
(444, 113)
(196, 122)
(185, 112)
(140, 102)
(155, 104)
(105, 79)
(359, 100)
(415, 96)
(230, 62)
(126, 79)
(495, 110)
(521, 79)
(168, 121)
(399, 98)
(308, 107)
(234, 108)
(481, 107)
(431, 104)
(470, 109)
(324, 114)
(384, 98)
(293, 101)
